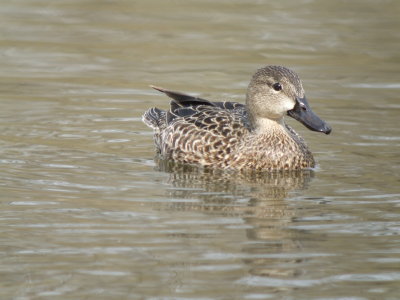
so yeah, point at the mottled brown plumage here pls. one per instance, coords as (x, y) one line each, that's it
(231, 135)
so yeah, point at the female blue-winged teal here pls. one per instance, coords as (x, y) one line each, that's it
(231, 135)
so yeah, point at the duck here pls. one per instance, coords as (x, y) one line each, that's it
(236, 136)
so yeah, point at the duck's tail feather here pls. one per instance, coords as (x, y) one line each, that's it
(154, 118)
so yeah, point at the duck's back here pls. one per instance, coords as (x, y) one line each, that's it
(198, 131)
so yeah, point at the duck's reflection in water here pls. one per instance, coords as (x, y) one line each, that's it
(259, 199)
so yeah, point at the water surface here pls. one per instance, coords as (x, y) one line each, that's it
(86, 211)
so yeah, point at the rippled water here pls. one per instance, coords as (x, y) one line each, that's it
(85, 210)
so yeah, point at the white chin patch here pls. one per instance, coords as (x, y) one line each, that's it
(288, 105)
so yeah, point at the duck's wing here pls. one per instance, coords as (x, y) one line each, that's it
(196, 129)
(184, 105)
(181, 99)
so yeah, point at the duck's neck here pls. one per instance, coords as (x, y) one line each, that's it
(276, 132)
(263, 126)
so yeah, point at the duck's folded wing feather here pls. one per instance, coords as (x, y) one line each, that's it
(183, 100)
(184, 105)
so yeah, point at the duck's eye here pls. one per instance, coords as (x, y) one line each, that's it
(277, 86)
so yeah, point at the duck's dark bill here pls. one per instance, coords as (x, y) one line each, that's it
(303, 113)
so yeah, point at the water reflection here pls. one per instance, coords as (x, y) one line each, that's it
(82, 211)
(225, 187)
(256, 198)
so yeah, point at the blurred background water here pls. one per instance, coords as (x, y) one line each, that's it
(87, 213)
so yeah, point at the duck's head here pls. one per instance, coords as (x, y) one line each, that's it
(276, 91)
